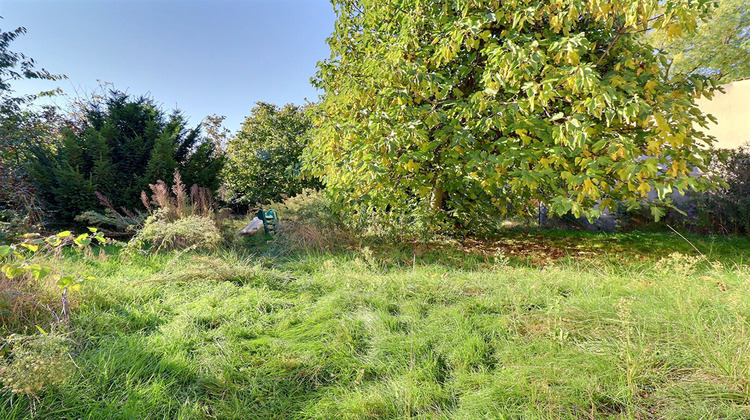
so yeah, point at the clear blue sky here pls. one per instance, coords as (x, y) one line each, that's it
(201, 56)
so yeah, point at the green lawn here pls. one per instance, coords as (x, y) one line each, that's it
(532, 325)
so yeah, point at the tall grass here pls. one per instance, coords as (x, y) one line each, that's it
(365, 334)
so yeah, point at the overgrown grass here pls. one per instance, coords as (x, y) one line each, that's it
(531, 325)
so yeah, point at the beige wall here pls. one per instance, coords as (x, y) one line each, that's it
(732, 110)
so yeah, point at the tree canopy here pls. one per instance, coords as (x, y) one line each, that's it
(474, 107)
(20, 128)
(263, 161)
(719, 47)
(17, 66)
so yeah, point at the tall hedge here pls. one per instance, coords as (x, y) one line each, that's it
(117, 147)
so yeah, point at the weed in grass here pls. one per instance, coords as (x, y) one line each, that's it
(678, 264)
(30, 365)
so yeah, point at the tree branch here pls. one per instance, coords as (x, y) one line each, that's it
(620, 32)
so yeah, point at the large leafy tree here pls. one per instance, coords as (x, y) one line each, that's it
(719, 47)
(118, 145)
(468, 108)
(263, 161)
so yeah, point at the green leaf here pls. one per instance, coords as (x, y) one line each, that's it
(658, 212)
(5, 250)
(66, 281)
(12, 271)
(54, 241)
(31, 247)
(40, 272)
(82, 240)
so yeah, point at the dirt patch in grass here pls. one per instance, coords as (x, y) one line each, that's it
(537, 252)
(542, 248)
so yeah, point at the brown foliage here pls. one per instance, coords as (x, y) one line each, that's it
(179, 204)
(25, 302)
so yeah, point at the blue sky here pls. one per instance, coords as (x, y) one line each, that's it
(201, 56)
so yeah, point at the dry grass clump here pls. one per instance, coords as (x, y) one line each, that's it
(241, 271)
(205, 268)
(176, 203)
(34, 363)
(307, 222)
(191, 232)
(25, 302)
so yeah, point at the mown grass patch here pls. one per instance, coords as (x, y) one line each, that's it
(396, 332)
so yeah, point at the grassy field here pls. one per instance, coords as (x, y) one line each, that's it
(530, 325)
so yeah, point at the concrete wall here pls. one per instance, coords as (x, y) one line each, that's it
(732, 110)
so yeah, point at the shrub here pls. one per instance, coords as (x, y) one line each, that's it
(28, 296)
(124, 221)
(20, 207)
(193, 232)
(726, 210)
(179, 220)
(307, 222)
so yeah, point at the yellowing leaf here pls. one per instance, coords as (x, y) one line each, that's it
(644, 189)
(673, 31)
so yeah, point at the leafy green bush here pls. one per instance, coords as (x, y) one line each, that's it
(28, 296)
(307, 222)
(311, 220)
(124, 221)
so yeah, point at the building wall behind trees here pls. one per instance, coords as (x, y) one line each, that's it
(732, 111)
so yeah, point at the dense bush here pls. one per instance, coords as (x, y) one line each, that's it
(122, 221)
(727, 210)
(20, 127)
(118, 147)
(34, 292)
(20, 208)
(263, 159)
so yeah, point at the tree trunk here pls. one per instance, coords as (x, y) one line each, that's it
(436, 199)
